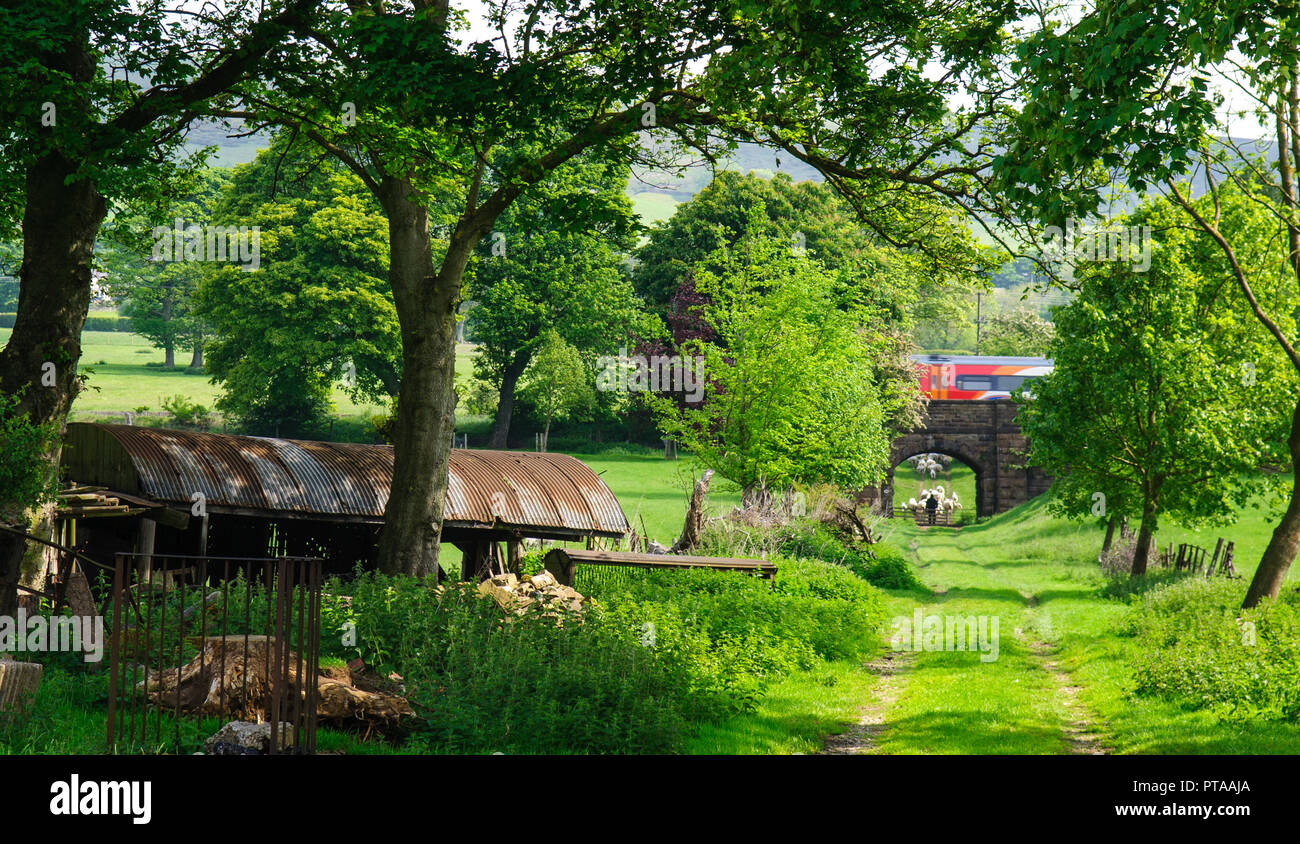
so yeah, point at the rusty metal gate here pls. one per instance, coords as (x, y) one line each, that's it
(199, 641)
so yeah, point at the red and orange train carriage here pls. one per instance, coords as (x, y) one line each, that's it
(978, 377)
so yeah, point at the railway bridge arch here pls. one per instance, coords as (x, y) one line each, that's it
(983, 435)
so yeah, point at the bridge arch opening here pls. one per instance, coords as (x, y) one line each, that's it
(915, 470)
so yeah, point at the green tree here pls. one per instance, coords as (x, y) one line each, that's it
(1020, 332)
(558, 383)
(811, 217)
(99, 95)
(790, 397)
(1128, 90)
(317, 312)
(556, 261)
(158, 295)
(423, 117)
(1164, 396)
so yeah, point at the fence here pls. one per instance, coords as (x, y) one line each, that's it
(198, 641)
(942, 517)
(1191, 558)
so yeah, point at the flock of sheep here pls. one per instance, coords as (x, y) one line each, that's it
(932, 465)
(947, 503)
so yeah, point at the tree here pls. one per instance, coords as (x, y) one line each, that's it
(317, 312)
(1018, 332)
(1127, 92)
(158, 295)
(1148, 411)
(423, 118)
(555, 262)
(108, 91)
(790, 397)
(558, 383)
(812, 217)
(904, 286)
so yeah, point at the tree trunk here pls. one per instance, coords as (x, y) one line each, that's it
(169, 347)
(506, 402)
(1285, 542)
(425, 301)
(1110, 535)
(39, 364)
(1143, 548)
(196, 357)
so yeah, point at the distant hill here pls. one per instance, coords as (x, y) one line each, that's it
(656, 194)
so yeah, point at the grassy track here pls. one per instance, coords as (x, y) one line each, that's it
(1038, 575)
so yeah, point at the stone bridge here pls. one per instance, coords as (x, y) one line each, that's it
(984, 436)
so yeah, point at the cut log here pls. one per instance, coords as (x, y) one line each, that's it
(18, 684)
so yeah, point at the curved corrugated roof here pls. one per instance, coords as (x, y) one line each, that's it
(317, 479)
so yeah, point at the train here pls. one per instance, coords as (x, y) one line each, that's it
(977, 377)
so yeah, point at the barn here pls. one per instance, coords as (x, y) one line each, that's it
(196, 493)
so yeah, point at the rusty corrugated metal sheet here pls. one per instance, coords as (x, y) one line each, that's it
(316, 479)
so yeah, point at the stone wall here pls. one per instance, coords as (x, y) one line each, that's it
(984, 436)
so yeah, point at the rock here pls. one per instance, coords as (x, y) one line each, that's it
(246, 738)
(541, 593)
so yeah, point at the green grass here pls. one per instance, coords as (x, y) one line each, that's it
(655, 491)
(1039, 574)
(653, 207)
(123, 381)
(794, 715)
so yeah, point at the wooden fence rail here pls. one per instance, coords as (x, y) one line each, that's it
(563, 562)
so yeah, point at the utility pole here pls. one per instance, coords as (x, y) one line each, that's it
(979, 297)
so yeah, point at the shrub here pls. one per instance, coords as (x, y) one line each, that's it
(480, 682)
(185, 413)
(1199, 647)
(656, 652)
(887, 569)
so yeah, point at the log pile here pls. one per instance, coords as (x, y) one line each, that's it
(541, 592)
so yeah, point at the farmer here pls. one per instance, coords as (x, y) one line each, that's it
(931, 507)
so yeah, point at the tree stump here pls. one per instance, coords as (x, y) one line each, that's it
(18, 684)
(696, 515)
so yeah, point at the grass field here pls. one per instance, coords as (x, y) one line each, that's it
(120, 378)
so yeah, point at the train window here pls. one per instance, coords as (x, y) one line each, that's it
(1010, 383)
(974, 382)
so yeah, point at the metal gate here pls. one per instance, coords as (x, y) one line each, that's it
(199, 641)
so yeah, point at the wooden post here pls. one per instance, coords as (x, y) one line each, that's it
(203, 536)
(148, 529)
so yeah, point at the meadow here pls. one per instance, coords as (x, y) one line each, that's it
(124, 373)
